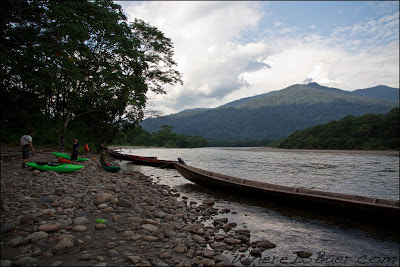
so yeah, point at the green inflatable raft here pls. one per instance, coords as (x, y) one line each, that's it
(66, 156)
(111, 168)
(55, 167)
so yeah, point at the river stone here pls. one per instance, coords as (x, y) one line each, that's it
(208, 253)
(256, 252)
(28, 219)
(37, 236)
(134, 259)
(265, 244)
(150, 238)
(63, 246)
(149, 227)
(8, 227)
(103, 198)
(86, 257)
(81, 221)
(218, 245)
(25, 261)
(17, 241)
(198, 239)
(100, 226)
(180, 248)
(124, 203)
(35, 172)
(303, 254)
(230, 240)
(206, 262)
(79, 228)
(49, 227)
(46, 199)
(209, 202)
(192, 227)
(112, 253)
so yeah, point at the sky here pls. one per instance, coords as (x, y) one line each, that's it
(227, 50)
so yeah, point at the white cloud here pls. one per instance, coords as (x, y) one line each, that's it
(220, 65)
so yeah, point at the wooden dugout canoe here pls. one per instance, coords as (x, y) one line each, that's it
(121, 156)
(307, 198)
(153, 162)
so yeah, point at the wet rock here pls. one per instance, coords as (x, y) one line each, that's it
(35, 172)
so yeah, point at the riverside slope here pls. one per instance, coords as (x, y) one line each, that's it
(50, 219)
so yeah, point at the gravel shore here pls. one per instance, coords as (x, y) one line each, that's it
(51, 219)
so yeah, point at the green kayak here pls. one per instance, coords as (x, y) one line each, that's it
(66, 156)
(55, 167)
(111, 168)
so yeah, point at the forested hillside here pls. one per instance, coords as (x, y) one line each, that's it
(273, 116)
(368, 132)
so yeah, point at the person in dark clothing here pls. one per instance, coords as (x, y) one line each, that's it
(26, 143)
(75, 147)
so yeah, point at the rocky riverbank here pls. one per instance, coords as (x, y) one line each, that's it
(51, 219)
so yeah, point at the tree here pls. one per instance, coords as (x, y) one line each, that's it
(81, 62)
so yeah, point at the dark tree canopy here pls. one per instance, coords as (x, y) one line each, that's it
(80, 63)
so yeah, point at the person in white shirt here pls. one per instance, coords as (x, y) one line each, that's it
(26, 143)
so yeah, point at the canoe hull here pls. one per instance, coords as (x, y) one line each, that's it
(335, 202)
(111, 168)
(58, 168)
(153, 162)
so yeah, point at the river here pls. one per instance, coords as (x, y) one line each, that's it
(333, 241)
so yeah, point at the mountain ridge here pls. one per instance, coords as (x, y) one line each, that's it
(274, 115)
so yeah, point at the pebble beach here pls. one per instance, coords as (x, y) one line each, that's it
(91, 217)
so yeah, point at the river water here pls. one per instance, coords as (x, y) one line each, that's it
(333, 241)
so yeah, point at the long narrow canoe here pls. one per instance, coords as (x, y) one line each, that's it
(66, 156)
(122, 156)
(337, 202)
(62, 167)
(154, 162)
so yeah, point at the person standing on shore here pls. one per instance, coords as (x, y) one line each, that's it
(26, 143)
(75, 147)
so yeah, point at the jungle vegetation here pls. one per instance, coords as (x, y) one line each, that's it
(77, 68)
